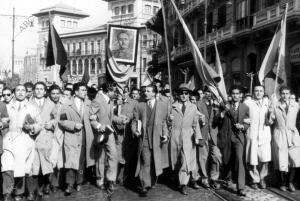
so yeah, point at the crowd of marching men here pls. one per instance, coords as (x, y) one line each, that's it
(53, 138)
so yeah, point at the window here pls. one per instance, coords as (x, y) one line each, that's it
(47, 23)
(43, 24)
(98, 46)
(74, 47)
(200, 26)
(192, 30)
(75, 24)
(86, 65)
(155, 9)
(74, 68)
(68, 47)
(123, 10)
(80, 68)
(62, 23)
(144, 64)
(147, 9)
(130, 8)
(117, 11)
(241, 9)
(144, 40)
(79, 48)
(99, 66)
(69, 24)
(271, 2)
(209, 22)
(86, 47)
(92, 47)
(222, 16)
(93, 67)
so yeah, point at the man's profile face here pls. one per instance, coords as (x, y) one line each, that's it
(29, 92)
(149, 93)
(123, 40)
(81, 93)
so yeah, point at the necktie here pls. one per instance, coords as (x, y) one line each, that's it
(149, 104)
(183, 108)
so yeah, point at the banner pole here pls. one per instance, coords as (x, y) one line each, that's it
(167, 45)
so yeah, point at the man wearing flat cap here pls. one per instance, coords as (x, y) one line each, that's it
(185, 136)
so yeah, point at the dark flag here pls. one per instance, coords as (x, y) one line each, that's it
(56, 53)
(86, 76)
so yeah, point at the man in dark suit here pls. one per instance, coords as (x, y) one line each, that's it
(208, 152)
(150, 126)
(232, 138)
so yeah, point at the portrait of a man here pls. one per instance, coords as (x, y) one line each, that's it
(123, 43)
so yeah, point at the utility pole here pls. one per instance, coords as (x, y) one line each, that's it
(205, 27)
(13, 45)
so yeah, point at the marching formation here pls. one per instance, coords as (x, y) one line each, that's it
(53, 138)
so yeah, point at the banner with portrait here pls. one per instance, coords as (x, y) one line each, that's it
(123, 43)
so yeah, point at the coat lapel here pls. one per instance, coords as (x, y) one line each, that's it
(280, 106)
(177, 108)
(73, 106)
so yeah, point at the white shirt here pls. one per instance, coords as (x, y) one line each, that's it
(39, 101)
(151, 103)
(78, 103)
(106, 98)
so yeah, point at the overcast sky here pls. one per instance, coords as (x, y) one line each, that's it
(26, 40)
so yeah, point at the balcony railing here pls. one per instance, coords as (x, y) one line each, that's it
(190, 7)
(85, 53)
(274, 13)
(244, 23)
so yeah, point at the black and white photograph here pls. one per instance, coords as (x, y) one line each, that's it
(123, 43)
(149, 100)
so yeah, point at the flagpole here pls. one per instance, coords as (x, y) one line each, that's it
(167, 45)
(51, 34)
(279, 56)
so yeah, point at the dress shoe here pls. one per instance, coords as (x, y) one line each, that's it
(47, 189)
(40, 193)
(262, 184)
(7, 197)
(194, 185)
(215, 185)
(143, 192)
(100, 186)
(54, 189)
(110, 186)
(291, 187)
(283, 188)
(68, 190)
(205, 183)
(254, 186)
(78, 187)
(30, 196)
(183, 189)
(241, 192)
(18, 198)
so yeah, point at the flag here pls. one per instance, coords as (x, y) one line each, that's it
(156, 23)
(274, 62)
(120, 73)
(208, 75)
(221, 84)
(86, 76)
(56, 53)
(147, 80)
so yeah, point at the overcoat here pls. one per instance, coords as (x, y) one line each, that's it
(185, 132)
(18, 145)
(3, 115)
(73, 139)
(160, 128)
(286, 139)
(44, 140)
(258, 145)
(56, 156)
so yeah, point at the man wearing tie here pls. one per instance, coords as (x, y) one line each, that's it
(101, 115)
(79, 138)
(185, 136)
(286, 139)
(150, 127)
(232, 138)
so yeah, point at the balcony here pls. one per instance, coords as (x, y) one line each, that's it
(85, 53)
(274, 13)
(190, 7)
(245, 23)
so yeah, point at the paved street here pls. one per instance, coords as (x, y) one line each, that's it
(165, 193)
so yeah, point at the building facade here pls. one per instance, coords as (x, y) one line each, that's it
(243, 30)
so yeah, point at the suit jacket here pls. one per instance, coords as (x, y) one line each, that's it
(3, 114)
(228, 133)
(160, 128)
(210, 129)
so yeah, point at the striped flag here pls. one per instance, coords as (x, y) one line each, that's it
(221, 84)
(273, 64)
(56, 53)
(86, 76)
(208, 75)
